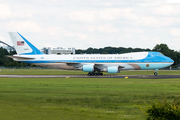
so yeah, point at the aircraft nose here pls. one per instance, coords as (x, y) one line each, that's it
(170, 60)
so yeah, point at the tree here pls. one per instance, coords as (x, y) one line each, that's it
(104, 52)
(2, 55)
(1, 62)
(161, 48)
(163, 110)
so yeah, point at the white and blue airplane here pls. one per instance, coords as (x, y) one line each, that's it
(94, 64)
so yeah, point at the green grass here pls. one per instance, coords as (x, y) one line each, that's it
(63, 72)
(81, 98)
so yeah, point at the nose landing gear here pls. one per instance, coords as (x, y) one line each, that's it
(155, 73)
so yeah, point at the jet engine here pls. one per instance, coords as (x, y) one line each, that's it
(114, 69)
(88, 68)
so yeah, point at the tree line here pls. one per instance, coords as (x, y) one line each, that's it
(109, 50)
(163, 48)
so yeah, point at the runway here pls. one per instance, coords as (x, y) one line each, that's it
(85, 76)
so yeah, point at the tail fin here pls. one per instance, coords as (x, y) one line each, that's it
(23, 46)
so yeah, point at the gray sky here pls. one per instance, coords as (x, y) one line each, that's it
(92, 23)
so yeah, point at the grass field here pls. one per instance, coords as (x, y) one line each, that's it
(62, 72)
(81, 98)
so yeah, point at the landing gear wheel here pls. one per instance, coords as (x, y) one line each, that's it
(90, 74)
(95, 74)
(155, 73)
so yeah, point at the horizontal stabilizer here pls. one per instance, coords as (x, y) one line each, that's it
(18, 57)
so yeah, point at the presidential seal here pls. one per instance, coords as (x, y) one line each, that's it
(147, 65)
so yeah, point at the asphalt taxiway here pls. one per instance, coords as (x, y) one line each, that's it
(85, 76)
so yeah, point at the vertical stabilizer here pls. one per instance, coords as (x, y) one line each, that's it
(23, 46)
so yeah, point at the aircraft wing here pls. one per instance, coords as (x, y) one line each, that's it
(75, 65)
(101, 67)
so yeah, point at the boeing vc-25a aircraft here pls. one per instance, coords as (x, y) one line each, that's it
(94, 64)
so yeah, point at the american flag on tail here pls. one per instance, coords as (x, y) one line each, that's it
(20, 43)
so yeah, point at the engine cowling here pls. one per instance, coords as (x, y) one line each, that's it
(113, 69)
(88, 68)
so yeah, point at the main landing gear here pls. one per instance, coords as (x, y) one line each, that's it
(155, 73)
(95, 74)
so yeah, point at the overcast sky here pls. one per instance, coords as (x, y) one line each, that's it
(92, 23)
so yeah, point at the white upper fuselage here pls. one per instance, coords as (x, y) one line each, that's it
(89, 57)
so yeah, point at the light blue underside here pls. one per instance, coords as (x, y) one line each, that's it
(142, 65)
(153, 66)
